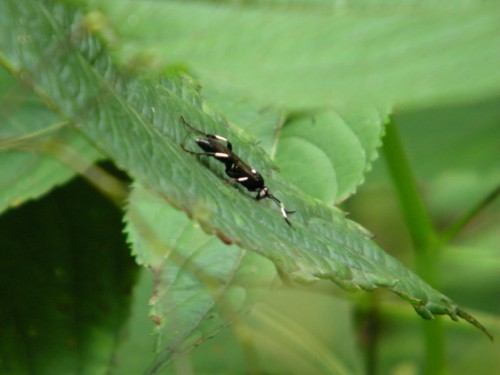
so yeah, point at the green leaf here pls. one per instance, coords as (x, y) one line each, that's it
(136, 351)
(65, 284)
(37, 150)
(303, 55)
(340, 146)
(200, 286)
(137, 123)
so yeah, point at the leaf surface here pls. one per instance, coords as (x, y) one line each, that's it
(200, 286)
(37, 150)
(304, 55)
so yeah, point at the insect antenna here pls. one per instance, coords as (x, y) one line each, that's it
(183, 120)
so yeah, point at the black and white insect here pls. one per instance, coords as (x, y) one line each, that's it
(239, 171)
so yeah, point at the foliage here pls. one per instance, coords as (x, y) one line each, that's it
(319, 130)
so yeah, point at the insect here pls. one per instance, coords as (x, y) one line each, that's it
(213, 145)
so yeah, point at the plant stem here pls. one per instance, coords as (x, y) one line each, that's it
(414, 211)
(423, 236)
(458, 225)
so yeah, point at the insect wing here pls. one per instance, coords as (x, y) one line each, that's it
(246, 175)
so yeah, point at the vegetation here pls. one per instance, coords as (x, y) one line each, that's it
(309, 93)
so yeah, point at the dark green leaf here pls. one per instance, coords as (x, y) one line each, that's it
(65, 277)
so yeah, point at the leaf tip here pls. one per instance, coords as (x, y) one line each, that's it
(470, 319)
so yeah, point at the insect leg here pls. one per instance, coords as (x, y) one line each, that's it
(217, 155)
(212, 136)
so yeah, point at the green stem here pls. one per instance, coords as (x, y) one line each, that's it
(458, 225)
(414, 211)
(423, 236)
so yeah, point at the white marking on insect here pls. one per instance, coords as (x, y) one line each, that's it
(241, 179)
(220, 138)
(221, 155)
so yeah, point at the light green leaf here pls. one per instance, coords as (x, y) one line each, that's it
(38, 151)
(136, 350)
(201, 285)
(313, 55)
(340, 147)
(137, 123)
